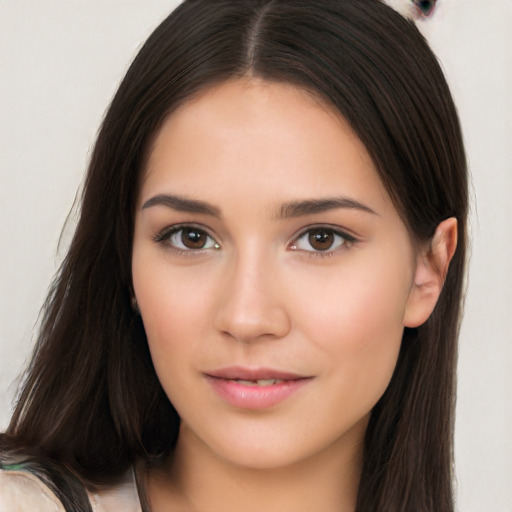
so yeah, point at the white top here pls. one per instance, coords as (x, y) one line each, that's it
(21, 491)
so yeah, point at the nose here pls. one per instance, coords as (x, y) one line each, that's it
(252, 305)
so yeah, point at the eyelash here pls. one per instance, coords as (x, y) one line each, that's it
(164, 237)
(345, 242)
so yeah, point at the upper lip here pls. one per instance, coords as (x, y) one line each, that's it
(254, 374)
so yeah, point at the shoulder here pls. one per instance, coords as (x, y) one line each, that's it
(23, 492)
(123, 496)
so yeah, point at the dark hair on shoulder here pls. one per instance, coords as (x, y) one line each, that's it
(91, 401)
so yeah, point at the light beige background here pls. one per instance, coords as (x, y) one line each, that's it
(60, 62)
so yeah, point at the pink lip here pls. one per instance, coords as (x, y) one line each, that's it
(224, 383)
(239, 372)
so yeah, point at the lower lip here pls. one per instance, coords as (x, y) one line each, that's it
(255, 397)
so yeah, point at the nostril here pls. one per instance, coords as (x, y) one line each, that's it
(426, 7)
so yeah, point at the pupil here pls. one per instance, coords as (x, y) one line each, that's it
(321, 240)
(193, 239)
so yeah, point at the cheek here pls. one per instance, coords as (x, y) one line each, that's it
(355, 317)
(169, 307)
(168, 323)
(360, 308)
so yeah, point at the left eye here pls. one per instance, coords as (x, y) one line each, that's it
(189, 239)
(321, 240)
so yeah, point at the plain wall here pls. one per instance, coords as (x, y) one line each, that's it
(60, 63)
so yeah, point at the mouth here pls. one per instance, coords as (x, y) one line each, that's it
(260, 388)
(260, 382)
(253, 375)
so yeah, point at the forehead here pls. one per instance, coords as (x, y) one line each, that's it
(270, 138)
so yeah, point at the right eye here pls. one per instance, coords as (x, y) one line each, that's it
(322, 240)
(187, 238)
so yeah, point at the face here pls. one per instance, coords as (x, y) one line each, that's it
(272, 272)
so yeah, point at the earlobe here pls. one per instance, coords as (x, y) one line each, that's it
(431, 269)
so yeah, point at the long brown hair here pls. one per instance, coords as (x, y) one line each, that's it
(91, 402)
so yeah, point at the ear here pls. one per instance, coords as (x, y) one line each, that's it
(431, 268)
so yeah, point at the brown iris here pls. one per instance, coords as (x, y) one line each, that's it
(193, 238)
(321, 239)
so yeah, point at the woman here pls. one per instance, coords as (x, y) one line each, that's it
(261, 302)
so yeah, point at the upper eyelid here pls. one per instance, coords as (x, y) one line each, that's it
(163, 235)
(177, 227)
(329, 227)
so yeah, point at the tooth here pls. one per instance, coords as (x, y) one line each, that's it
(247, 382)
(259, 382)
(266, 382)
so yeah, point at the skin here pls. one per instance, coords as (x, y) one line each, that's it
(260, 294)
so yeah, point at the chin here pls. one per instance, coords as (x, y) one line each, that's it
(266, 455)
(281, 446)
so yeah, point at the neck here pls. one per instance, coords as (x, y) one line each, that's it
(195, 479)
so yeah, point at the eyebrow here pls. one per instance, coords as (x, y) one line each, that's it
(312, 206)
(182, 204)
(287, 210)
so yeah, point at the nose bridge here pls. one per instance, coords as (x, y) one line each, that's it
(252, 305)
